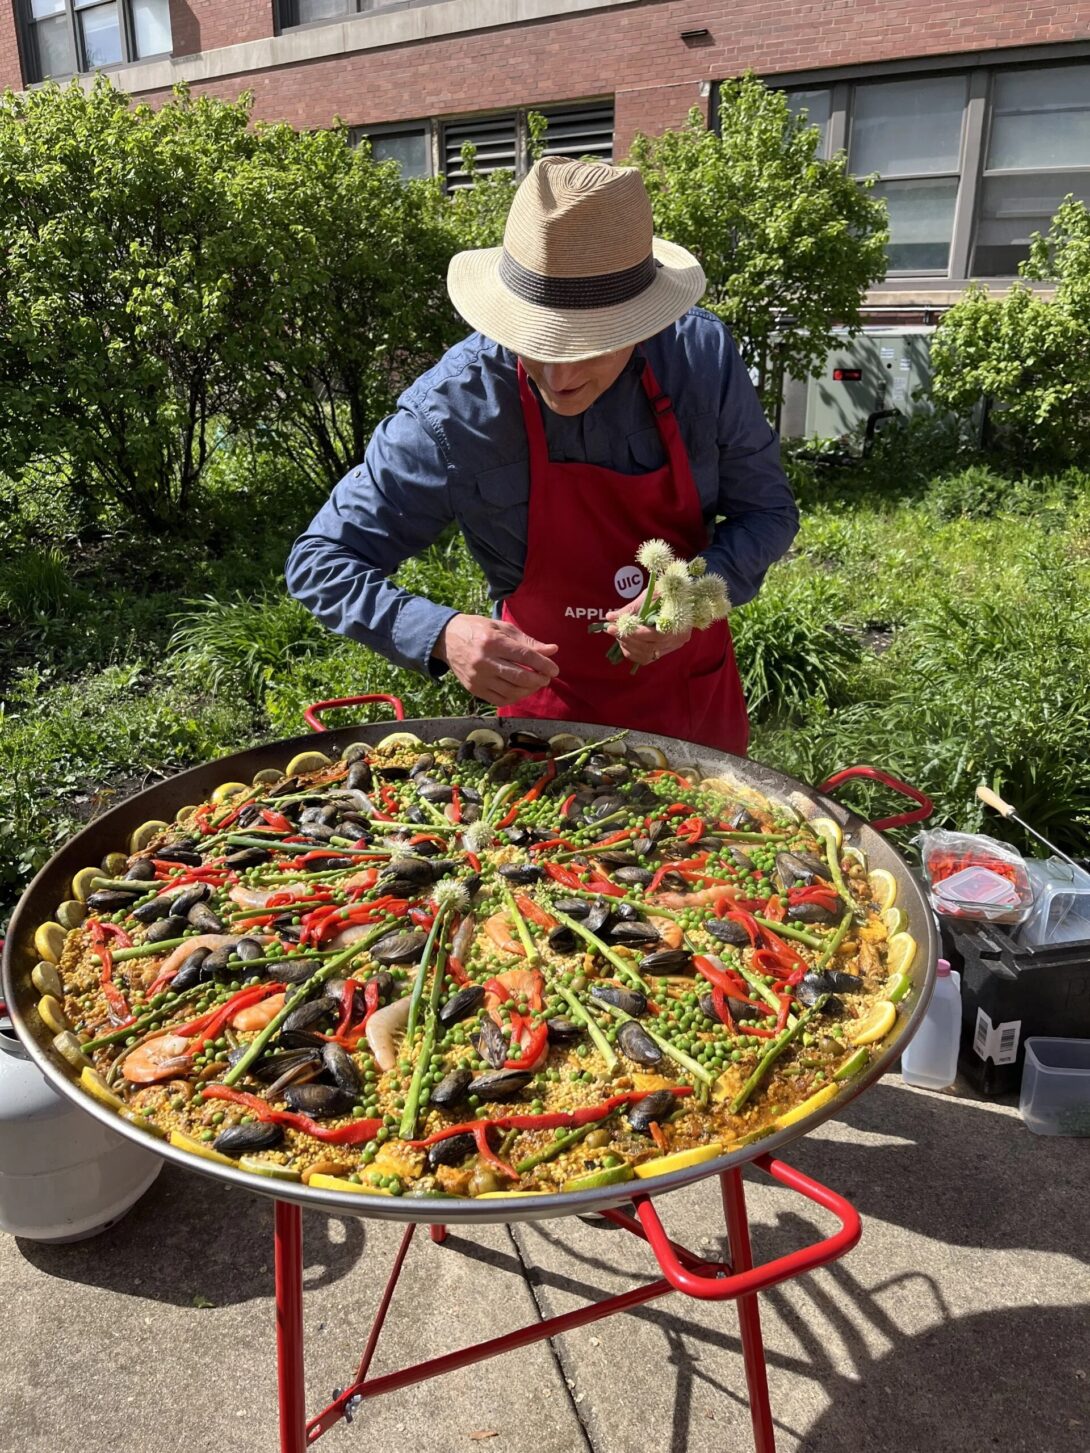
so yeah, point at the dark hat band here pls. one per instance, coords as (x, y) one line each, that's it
(606, 290)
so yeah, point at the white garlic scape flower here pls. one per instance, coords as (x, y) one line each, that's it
(477, 838)
(450, 895)
(710, 602)
(625, 624)
(655, 556)
(674, 617)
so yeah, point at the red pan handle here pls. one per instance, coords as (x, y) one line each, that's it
(711, 1285)
(310, 716)
(901, 819)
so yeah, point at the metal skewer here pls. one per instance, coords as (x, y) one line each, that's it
(993, 800)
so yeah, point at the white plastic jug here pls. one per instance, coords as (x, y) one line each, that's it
(931, 1059)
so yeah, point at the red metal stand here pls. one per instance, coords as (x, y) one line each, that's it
(737, 1280)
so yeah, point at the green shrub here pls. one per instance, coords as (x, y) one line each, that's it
(240, 640)
(790, 648)
(976, 491)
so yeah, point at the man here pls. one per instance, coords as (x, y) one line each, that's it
(595, 408)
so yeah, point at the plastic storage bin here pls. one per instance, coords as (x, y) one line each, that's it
(1061, 904)
(1056, 1087)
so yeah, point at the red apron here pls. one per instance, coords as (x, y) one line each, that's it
(585, 525)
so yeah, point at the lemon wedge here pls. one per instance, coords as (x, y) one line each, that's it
(338, 1183)
(83, 882)
(679, 1160)
(228, 789)
(874, 1025)
(901, 953)
(480, 736)
(91, 1081)
(272, 1168)
(51, 1013)
(895, 919)
(825, 827)
(49, 942)
(800, 1112)
(143, 834)
(304, 762)
(198, 1147)
(884, 887)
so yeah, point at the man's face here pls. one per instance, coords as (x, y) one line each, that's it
(570, 388)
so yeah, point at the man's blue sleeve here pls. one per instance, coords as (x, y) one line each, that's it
(393, 506)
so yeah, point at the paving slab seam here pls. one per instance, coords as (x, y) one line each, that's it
(567, 1380)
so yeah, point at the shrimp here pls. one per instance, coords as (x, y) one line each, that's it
(499, 931)
(382, 1027)
(668, 931)
(258, 1016)
(697, 899)
(259, 897)
(349, 934)
(167, 1057)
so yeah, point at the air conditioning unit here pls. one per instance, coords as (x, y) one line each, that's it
(880, 369)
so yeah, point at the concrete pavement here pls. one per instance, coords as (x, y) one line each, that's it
(959, 1322)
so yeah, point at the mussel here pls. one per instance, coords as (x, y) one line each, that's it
(109, 900)
(359, 776)
(727, 931)
(247, 857)
(738, 1010)
(399, 948)
(204, 920)
(323, 1102)
(652, 1109)
(437, 793)
(604, 806)
(634, 931)
(217, 961)
(183, 851)
(140, 870)
(239, 1140)
(461, 1005)
(811, 913)
(562, 939)
(190, 971)
(452, 1088)
(598, 916)
(452, 1151)
(502, 1085)
(247, 949)
(635, 876)
(572, 907)
(667, 961)
(188, 898)
(309, 1014)
(638, 1045)
(562, 1031)
(831, 982)
(153, 911)
(521, 874)
(492, 1044)
(170, 927)
(341, 1069)
(627, 999)
(792, 868)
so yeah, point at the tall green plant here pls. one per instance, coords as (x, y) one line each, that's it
(790, 242)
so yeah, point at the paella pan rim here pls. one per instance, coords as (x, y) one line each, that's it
(162, 801)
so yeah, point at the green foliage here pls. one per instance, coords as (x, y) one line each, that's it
(790, 649)
(1025, 352)
(34, 583)
(477, 213)
(790, 242)
(239, 641)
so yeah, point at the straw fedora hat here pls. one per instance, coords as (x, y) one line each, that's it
(580, 272)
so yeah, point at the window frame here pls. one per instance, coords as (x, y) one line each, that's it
(26, 27)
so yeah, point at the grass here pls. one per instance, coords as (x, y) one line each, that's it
(933, 618)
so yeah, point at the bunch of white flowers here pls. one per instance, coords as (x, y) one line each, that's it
(681, 596)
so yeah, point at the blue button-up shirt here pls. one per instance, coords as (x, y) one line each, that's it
(456, 451)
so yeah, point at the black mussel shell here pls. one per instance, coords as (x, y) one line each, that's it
(153, 911)
(413, 870)
(527, 742)
(635, 932)
(738, 1010)
(275, 1063)
(626, 912)
(626, 999)
(792, 868)
(204, 920)
(239, 1140)
(573, 907)
(332, 863)
(341, 1069)
(190, 971)
(465, 752)
(318, 832)
(727, 931)
(462, 1004)
(297, 971)
(614, 858)
(310, 1014)
(321, 1101)
(521, 873)
(109, 900)
(811, 913)
(472, 884)
(180, 852)
(359, 776)
(247, 949)
(354, 828)
(247, 857)
(170, 927)
(563, 1031)
(249, 815)
(451, 1089)
(656, 1107)
(399, 948)
(598, 917)
(634, 876)
(301, 1039)
(634, 1041)
(452, 1151)
(813, 986)
(424, 763)
(742, 860)
(189, 897)
(436, 793)
(562, 939)
(667, 961)
(604, 806)
(743, 820)
(141, 870)
(502, 1085)
(492, 1044)
(218, 959)
(517, 836)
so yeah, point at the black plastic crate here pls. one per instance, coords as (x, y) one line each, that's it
(1008, 993)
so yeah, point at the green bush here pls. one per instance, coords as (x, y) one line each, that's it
(791, 648)
(243, 641)
(976, 491)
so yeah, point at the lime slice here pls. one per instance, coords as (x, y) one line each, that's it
(564, 742)
(51, 1013)
(897, 987)
(900, 953)
(198, 1147)
(895, 919)
(826, 827)
(874, 1025)
(679, 1160)
(304, 762)
(49, 942)
(95, 1085)
(143, 835)
(71, 913)
(114, 864)
(884, 887)
(800, 1112)
(853, 1064)
(609, 1175)
(228, 789)
(272, 1168)
(46, 980)
(83, 881)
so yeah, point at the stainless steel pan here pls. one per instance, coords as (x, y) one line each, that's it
(111, 832)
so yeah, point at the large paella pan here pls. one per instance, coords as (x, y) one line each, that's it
(460, 973)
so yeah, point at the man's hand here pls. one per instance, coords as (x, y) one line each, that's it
(645, 644)
(493, 659)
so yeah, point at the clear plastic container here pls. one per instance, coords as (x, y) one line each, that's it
(973, 876)
(1061, 903)
(1055, 1097)
(930, 1059)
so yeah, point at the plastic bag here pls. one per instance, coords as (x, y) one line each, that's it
(973, 876)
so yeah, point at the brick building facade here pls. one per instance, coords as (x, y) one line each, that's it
(975, 113)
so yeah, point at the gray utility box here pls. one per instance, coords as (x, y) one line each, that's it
(881, 368)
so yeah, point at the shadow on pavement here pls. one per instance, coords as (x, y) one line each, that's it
(190, 1237)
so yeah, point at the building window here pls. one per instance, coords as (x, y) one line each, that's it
(816, 106)
(1038, 150)
(909, 132)
(69, 36)
(409, 146)
(309, 12)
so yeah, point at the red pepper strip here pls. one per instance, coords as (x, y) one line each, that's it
(353, 1133)
(565, 806)
(427, 837)
(657, 1136)
(534, 912)
(664, 772)
(457, 972)
(534, 793)
(719, 999)
(111, 930)
(602, 885)
(776, 909)
(372, 992)
(692, 830)
(824, 897)
(561, 875)
(675, 808)
(389, 798)
(748, 922)
(277, 820)
(421, 917)
(474, 861)
(551, 1120)
(760, 1033)
(348, 1004)
(242, 1000)
(116, 1002)
(555, 842)
(487, 1154)
(785, 1009)
(607, 842)
(532, 1042)
(455, 805)
(201, 816)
